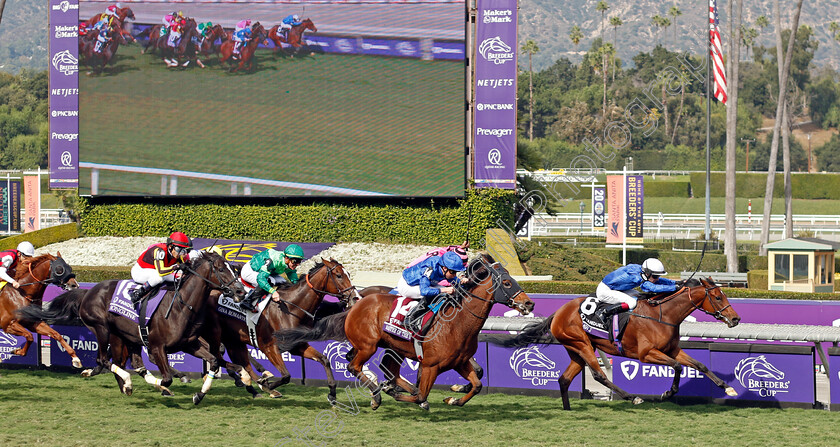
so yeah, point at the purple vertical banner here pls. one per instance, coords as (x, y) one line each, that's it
(10, 198)
(599, 200)
(635, 208)
(834, 378)
(64, 93)
(495, 95)
(636, 377)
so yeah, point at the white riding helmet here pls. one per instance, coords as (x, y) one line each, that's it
(296, 18)
(653, 267)
(26, 248)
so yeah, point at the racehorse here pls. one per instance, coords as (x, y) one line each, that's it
(207, 45)
(176, 53)
(293, 37)
(173, 328)
(33, 275)
(651, 336)
(98, 60)
(122, 14)
(455, 329)
(296, 308)
(246, 53)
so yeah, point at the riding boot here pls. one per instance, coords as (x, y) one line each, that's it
(414, 319)
(138, 294)
(606, 312)
(249, 302)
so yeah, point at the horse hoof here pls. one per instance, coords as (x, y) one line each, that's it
(76, 362)
(274, 394)
(127, 390)
(374, 404)
(457, 388)
(731, 391)
(425, 405)
(87, 373)
(164, 391)
(637, 400)
(185, 379)
(449, 400)
(197, 398)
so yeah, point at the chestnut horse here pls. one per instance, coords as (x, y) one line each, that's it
(451, 343)
(246, 53)
(207, 45)
(296, 308)
(652, 336)
(293, 37)
(98, 61)
(122, 15)
(176, 326)
(33, 275)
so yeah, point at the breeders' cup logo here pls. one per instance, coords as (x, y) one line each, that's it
(337, 353)
(65, 6)
(532, 365)
(759, 375)
(495, 50)
(6, 339)
(494, 157)
(629, 368)
(344, 46)
(406, 48)
(66, 159)
(65, 62)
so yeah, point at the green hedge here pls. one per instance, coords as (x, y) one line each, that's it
(324, 222)
(40, 238)
(804, 186)
(667, 189)
(98, 274)
(757, 279)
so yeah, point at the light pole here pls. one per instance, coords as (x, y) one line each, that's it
(809, 152)
(748, 141)
(582, 207)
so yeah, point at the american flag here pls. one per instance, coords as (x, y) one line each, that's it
(716, 53)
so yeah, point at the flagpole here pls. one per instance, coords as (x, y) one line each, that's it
(708, 122)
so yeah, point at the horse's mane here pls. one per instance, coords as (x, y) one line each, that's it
(23, 265)
(693, 282)
(313, 270)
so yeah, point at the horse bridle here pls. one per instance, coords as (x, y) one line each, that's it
(225, 288)
(500, 295)
(718, 314)
(343, 296)
(60, 274)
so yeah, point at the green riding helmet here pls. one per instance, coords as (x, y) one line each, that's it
(293, 251)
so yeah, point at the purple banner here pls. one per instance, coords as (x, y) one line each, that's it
(64, 93)
(533, 367)
(636, 377)
(635, 208)
(765, 373)
(178, 360)
(599, 199)
(834, 378)
(10, 343)
(81, 339)
(494, 137)
(293, 363)
(10, 206)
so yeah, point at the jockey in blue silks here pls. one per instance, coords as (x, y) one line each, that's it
(289, 22)
(617, 287)
(421, 281)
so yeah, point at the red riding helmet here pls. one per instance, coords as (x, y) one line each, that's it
(179, 239)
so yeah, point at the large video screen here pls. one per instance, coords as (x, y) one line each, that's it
(370, 101)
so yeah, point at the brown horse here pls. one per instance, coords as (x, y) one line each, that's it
(33, 275)
(451, 343)
(98, 60)
(652, 335)
(296, 308)
(173, 328)
(293, 37)
(246, 53)
(122, 15)
(207, 44)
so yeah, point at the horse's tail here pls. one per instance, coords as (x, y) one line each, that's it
(329, 328)
(533, 333)
(63, 309)
(145, 33)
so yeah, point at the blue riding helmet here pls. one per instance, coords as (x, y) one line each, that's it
(452, 261)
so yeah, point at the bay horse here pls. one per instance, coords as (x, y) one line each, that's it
(247, 52)
(122, 15)
(454, 343)
(296, 309)
(176, 326)
(652, 336)
(206, 45)
(98, 61)
(33, 275)
(293, 37)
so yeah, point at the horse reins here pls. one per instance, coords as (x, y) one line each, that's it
(718, 314)
(341, 292)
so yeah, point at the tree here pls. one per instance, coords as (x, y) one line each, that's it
(833, 27)
(615, 22)
(784, 71)
(762, 22)
(605, 54)
(748, 38)
(675, 12)
(828, 155)
(602, 7)
(576, 35)
(531, 48)
(660, 22)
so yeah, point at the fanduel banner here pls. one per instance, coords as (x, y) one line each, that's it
(494, 133)
(64, 93)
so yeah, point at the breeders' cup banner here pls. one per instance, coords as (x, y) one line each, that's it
(494, 137)
(64, 93)
(635, 194)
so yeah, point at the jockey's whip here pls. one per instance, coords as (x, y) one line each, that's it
(702, 253)
(236, 256)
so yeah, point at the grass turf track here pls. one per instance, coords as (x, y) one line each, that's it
(41, 408)
(378, 124)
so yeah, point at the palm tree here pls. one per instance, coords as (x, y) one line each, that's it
(602, 7)
(748, 38)
(666, 22)
(615, 22)
(576, 35)
(604, 55)
(762, 22)
(834, 27)
(658, 22)
(675, 12)
(530, 47)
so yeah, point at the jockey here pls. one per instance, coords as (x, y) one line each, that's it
(616, 285)
(174, 22)
(289, 22)
(159, 263)
(460, 250)
(241, 35)
(104, 27)
(423, 281)
(204, 28)
(268, 269)
(9, 260)
(112, 10)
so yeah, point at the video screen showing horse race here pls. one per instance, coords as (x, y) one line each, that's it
(272, 99)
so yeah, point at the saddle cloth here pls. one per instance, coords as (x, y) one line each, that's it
(612, 330)
(401, 307)
(121, 301)
(230, 308)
